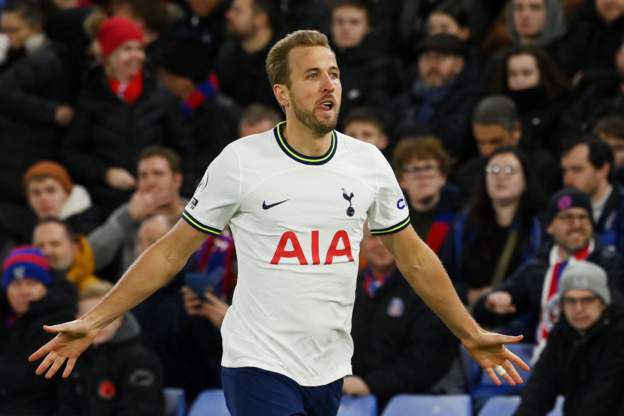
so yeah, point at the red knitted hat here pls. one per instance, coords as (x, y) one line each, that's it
(115, 31)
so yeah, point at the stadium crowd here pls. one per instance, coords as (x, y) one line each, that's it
(503, 120)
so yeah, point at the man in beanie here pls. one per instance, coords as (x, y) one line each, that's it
(186, 71)
(530, 292)
(441, 96)
(583, 360)
(32, 295)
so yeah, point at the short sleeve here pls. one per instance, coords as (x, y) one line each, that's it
(388, 213)
(217, 196)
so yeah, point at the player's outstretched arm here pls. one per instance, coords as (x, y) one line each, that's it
(425, 273)
(150, 271)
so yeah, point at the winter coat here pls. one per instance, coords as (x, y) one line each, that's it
(118, 378)
(588, 370)
(22, 392)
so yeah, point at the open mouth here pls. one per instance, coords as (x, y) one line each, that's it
(327, 105)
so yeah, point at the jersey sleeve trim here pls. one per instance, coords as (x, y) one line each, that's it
(392, 229)
(199, 226)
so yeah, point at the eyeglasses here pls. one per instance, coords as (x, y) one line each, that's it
(497, 170)
(569, 218)
(584, 301)
(427, 169)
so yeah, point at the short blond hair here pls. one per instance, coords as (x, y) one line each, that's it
(277, 60)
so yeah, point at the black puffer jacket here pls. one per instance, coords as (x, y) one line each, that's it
(107, 132)
(30, 91)
(588, 370)
(118, 378)
(21, 391)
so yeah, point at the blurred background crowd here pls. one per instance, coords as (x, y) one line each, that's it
(503, 121)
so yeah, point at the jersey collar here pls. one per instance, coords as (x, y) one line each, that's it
(293, 154)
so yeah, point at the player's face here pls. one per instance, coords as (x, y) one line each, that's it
(422, 179)
(367, 132)
(349, 26)
(571, 229)
(315, 91)
(529, 17)
(504, 179)
(46, 197)
(522, 72)
(582, 308)
(155, 176)
(53, 241)
(579, 173)
(21, 292)
(438, 69)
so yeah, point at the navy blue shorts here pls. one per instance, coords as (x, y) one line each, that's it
(251, 391)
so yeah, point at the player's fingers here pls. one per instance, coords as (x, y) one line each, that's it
(493, 377)
(58, 362)
(507, 339)
(511, 370)
(55, 329)
(42, 351)
(69, 367)
(514, 359)
(47, 362)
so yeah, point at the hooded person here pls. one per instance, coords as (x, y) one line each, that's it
(524, 27)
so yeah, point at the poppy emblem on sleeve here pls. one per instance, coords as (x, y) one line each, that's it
(107, 390)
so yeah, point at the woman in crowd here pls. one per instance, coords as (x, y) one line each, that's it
(500, 228)
(120, 112)
(540, 90)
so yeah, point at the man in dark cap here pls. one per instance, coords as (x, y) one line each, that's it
(186, 71)
(583, 360)
(531, 290)
(440, 98)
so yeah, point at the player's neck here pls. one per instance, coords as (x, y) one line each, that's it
(306, 141)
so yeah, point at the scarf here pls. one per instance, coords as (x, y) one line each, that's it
(127, 92)
(203, 92)
(431, 97)
(373, 282)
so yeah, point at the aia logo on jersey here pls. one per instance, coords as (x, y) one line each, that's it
(289, 247)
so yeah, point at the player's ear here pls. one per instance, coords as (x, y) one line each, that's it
(281, 94)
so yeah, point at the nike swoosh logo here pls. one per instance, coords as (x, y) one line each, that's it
(269, 206)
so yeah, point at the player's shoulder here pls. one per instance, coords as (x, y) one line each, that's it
(250, 144)
(359, 149)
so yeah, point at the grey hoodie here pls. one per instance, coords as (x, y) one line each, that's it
(554, 28)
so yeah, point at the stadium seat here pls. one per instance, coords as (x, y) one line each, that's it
(500, 406)
(358, 406)
(415, 404)
(209, 402)
(175, 402)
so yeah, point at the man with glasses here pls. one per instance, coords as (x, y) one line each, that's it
(530, 292)
(583, 359)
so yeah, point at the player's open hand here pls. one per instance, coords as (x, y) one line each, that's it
(71, 340)
(488, 350)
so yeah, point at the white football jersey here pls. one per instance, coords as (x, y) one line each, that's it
(297, 224)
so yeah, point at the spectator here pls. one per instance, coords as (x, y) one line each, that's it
(594, 37)
(422, 166)
(495, 124)
(583, 360)
(213, 118)
(118, 375)
(368, 77)
(121, 112)
(530, 292)
(35, 296)
(610, 128)
(205, 22)
(158, 192)
(441, 97)
(500, 229)
(67, 253)
(253, 27)
(52, 193)
(535, 22)
(399, 345)
(34, 93)
(257, 118)
(366, 124)
(588, 166)
(449, 16)
(539, 90)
